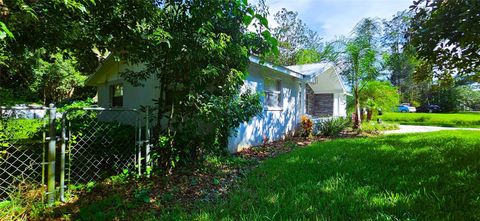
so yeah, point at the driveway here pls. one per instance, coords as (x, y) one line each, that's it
(420, 129)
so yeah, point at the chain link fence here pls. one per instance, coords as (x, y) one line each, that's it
(42, 148)
(22, 148)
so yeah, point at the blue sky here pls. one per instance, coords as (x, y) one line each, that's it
(332, 18)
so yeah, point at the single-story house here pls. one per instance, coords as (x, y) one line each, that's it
(289, 92)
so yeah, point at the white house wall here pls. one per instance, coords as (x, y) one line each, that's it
(272, 124)
(340, 105)
(133, 97)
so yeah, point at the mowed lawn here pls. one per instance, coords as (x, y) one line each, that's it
(428, 176)
(464, 119)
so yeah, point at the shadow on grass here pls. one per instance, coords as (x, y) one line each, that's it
(428, 176)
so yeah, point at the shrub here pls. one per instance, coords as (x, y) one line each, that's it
(332, 127)
(307, 126)
(72, 104)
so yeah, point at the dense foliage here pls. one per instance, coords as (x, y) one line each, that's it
(296, 40)
(446, 34)
(200, 57)
(400, 58)
(198, 50)
(41, 38)
(378, 96)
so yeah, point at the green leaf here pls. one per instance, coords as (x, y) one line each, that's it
(250, 11)
(262, 20)
(247, 20)
(5, 30)
(267, 35)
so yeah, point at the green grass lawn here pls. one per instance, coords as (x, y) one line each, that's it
(428, 176)
(465, 119)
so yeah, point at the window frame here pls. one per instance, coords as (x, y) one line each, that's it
(268, 91)
(114, 99)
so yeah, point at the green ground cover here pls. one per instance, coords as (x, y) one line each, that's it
(425, 176)
(428, 176)
(463, 119)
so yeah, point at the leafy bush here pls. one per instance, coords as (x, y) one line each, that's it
(64, 106)
(307, 126)
(20, 131)
(9, 98)
(332, 127)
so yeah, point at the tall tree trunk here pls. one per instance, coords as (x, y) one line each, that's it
(357, 120)
(369, 114)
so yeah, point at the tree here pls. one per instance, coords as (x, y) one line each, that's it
(400, 58)
(446, 34)
(359, 61)
(468, 98)
(57, 77)
(200, 57)
(378, 95)
(36, 32)
(295, 38)
(78, 29)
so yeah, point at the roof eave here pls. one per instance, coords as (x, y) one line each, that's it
(90, 78)
(281, 69)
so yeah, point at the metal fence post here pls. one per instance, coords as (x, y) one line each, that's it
(62, 160)
(139, 153)
(51, 156)
(147, 144)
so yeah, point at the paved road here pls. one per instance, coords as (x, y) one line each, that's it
(420, 129)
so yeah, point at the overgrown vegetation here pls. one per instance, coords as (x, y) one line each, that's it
(466, 119)
(23, 204)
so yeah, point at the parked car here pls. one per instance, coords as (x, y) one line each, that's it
(406, 108)
(429, 108)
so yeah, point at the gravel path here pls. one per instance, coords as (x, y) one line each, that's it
(420, 129)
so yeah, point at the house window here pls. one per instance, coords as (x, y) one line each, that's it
(273, 94)
(116, 92)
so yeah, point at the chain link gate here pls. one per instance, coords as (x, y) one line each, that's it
(101, 143)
